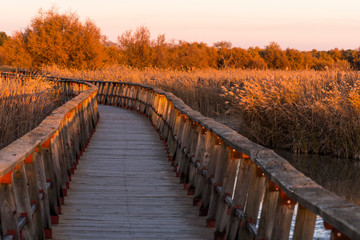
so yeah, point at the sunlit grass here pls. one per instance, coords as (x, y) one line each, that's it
(305, 111)
(24, 103)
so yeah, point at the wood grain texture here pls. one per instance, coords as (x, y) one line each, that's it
(124, 188)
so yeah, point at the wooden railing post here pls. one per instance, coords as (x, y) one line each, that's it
(248, 219)
(192, 166)
(184, 143)
(241, 190)
(283, 217)
(227, 186)
(32, 176)
(195, 171)
(43, 190)
(52, 191)
(223, 167)
(164, 129)
(206, 157)
(8, 214)
(305, 224)
(22, 200)
(174, 147)
(269, 208)
(61, 166)
(174, 119)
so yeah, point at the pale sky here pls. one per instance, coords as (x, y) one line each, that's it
(301, 24)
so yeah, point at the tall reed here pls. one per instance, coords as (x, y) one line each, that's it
(24, 103)
(309, 112)
(305, 111)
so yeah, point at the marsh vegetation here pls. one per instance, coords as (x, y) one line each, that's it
(300, 101)
(24, 103)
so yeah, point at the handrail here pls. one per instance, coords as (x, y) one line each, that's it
(35, 170)
(230, 176)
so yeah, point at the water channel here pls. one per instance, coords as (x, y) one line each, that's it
(338, 175)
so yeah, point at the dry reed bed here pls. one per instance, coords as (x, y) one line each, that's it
(306, 111)
(24, 103)
(310, 112)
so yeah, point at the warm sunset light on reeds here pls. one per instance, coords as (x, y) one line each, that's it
(24, 103)
(303, 111)
(252, 106)
(281, 98)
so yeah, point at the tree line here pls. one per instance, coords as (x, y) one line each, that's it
(59, 39)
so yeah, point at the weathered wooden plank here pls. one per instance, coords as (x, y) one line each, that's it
(125, 189)
(240, 195)
(255, 196)
(305, 224)
(266, 224)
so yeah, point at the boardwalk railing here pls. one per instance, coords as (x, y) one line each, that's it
(35, 170)
(230, 177)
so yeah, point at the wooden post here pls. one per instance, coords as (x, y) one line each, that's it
(223, 162)
(283, 217)
(176, 131)
(227, 184)
(206, 154)
(185, 138)
(32, 174)
(51, 187)
(8, 214)
(173, 121)
(305, 224)
(270, 202)
(22, 199)
(194, 171)
(244, 177)
(41, 181)
(255, 195)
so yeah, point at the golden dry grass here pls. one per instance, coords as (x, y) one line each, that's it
(306, 111)
(200, 89)
(24, 103)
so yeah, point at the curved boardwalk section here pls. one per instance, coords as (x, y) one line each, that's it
(124, 189)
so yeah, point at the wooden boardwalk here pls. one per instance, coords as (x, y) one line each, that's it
(124, 187)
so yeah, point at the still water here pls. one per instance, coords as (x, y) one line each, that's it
(338, 175)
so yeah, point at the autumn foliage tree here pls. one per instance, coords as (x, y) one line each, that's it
(194, 56)
(356, 58)
(224, 53)
(274, 57)
(56, 39)
(14, 52)
(3, 38)
(137, 47)
(59, 39)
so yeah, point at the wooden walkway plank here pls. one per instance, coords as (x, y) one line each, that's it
(124, 187)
